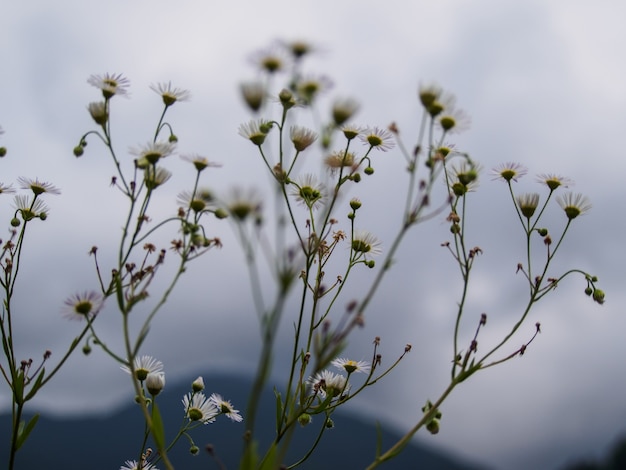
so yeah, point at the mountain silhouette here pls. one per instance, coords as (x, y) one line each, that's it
(106, 442)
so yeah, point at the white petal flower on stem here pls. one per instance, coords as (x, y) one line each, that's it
(170, 95)
(328, 383)
(144, 365)
(199, 408)
(225, 407)
(351, 366)
(366, 243)
(111, 84)
(152, 152)
(37, 187)
(85, 305)
(375, 137)
(132, 465)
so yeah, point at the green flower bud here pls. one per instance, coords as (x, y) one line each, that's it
(221, 213)
(193, 450)
(15, 222)
(588, 291)
(3, 151)
(304, 419)
(598, 296)
(356, 177)
(369, 171)
(173, 139)
(355, 204)
(433, 426)
(78, 151)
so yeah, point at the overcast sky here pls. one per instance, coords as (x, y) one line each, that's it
(544, 85)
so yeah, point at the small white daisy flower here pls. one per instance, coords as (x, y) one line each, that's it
(375, 137)
(351, 366)
(199, 408)
(85, 305)
(37, 187)
(111, 84)
(225, 407)
(170, 95)
(144, 365)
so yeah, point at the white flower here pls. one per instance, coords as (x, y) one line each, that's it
(132, 465)
(327, 382)
(155, 383)
(198, 385)
(144, 365)
(301, 137)
(380, 139)
(366, 243)
(37, 187)
(110, 84)
(351, 366)
(152, 152)
(170, 95)
(225, 407)
(85, 305)
(200, 408)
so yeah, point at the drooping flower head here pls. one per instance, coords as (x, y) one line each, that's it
(199, 408)
(343, 110)
(144, 365)
(509, 171)
(301, 137)
(574, 204)
(429, 94)
(225, 407)
(111, 84)
(99, 112)
(155, 177)
(253, 94)
(83, 306)
(528, 203)
(155, 383)
(169, 94)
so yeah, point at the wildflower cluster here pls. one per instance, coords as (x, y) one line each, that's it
(322, 238)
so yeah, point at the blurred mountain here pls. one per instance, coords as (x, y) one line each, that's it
(616, 460)
(106, 442)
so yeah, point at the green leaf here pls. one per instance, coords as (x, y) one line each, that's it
(158, 431)
(250, 457)
(25, 430)
(269, 461)
(18, 388)
(36, 385)
(379, 439)
(279, 410)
